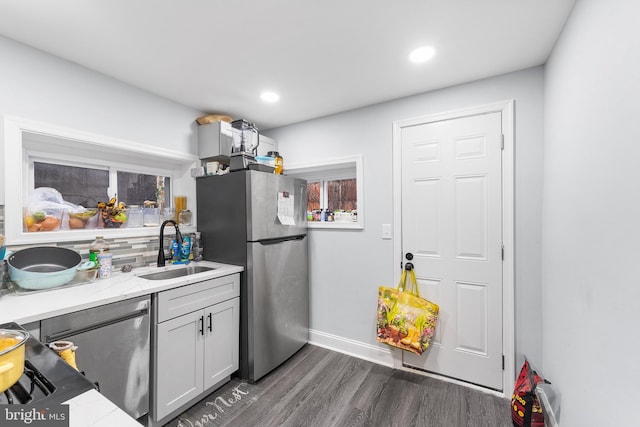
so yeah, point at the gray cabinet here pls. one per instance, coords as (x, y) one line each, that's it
(180, 357)
(215, 141)
(197, 342)
(222, 329)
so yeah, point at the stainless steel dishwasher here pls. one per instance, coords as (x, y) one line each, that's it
(113, 349)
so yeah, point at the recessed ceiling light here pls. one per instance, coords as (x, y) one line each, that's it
(270, 97)
(422, 54)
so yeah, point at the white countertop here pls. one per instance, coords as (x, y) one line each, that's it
(27, 308)
(91, 408)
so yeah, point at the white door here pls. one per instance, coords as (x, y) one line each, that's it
(452, 225)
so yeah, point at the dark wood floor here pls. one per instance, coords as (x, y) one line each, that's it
(319, 387)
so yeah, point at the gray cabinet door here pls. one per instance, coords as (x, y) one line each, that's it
(179, 378)
(222, 333)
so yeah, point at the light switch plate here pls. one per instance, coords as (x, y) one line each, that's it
(386, 231)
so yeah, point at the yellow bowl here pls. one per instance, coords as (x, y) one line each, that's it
(11, 357)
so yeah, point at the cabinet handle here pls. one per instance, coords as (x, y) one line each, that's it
(201, 327)
(210, 316)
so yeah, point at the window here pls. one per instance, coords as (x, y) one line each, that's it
(334, 192)
(86, 169)
(136, 188)
(78, 185)
(88, 185)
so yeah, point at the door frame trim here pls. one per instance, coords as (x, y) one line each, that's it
(506, 108)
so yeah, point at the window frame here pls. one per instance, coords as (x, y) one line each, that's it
(26, 141)
(327, 170)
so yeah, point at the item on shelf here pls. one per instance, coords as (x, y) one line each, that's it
(82, 219)
(210, 118)
(212, 168)
(169, 213)
(151, 216)
(179, 204)
(198, 171)
(184, 217)
(44, 210)
(135, 216)
(114, 213)
(278, 163)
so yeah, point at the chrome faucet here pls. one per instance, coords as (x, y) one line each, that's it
(161, 257)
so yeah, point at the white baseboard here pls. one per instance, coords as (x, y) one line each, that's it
(371, 353)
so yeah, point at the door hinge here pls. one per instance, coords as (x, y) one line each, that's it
(503, 362)
(502, 141)
(503, 252)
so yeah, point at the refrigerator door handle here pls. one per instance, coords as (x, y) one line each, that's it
(276, 240)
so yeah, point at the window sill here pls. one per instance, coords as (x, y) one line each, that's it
(90, 234)
(334, 225)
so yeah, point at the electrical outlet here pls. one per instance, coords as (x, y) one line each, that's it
(386, 231)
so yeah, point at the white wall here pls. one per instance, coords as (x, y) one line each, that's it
(348, 266)
(591, 214)
(38, 86)
(41, 87)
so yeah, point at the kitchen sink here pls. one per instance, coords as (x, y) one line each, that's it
(178, 272)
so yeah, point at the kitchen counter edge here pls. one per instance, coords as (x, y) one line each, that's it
(28, 308)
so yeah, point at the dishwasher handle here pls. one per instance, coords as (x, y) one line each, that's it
(76, 331)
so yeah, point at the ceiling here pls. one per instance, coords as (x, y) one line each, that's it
(322, 57)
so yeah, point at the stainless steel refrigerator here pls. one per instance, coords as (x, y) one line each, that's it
(258, 220)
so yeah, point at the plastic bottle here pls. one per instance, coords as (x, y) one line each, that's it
(97, 247)
(175, 251)
(196, 250)
(185, 249)
(279, 162)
